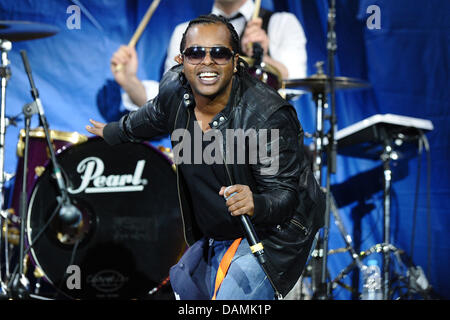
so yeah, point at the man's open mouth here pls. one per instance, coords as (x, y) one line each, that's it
(208, 77)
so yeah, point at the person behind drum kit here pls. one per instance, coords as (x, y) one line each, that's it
(279, 33)
(210, 92)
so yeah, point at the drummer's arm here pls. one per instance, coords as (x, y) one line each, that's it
(254, 33)
(124, 63)
(136, 91)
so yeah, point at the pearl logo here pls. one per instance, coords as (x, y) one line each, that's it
(93, 181)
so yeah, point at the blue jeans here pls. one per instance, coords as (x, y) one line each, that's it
(194, 276)
(245, 279)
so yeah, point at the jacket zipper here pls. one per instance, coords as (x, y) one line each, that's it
(301, 226)
(178, 174)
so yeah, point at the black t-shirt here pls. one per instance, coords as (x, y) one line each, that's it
(204, 182)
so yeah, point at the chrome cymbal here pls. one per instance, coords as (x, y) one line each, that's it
(25, 30)
(321, 83)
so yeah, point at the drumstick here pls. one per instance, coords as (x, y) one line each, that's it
(140, 29)
(255, 15)
(257, 6)
(137, 34)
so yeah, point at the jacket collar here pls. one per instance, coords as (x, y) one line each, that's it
(225, 114)
(233, 101)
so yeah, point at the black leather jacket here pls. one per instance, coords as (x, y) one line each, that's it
(288, 203)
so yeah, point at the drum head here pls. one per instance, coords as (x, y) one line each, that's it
(131, 232)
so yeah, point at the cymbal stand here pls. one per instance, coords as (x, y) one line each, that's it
(321, 103)
(387, 155)
(319, 99)
(332, 143)
(357, 261)
(323, 287)
(5, 74)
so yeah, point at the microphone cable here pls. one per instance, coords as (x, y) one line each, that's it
(423, 144)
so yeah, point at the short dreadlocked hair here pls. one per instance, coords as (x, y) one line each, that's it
(212, 19)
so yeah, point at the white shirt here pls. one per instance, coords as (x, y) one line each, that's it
(287, 44)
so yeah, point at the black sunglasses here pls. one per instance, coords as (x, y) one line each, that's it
(195, 55)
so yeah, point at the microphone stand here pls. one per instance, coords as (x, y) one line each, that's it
(324, 292)
(68, 212)
(20, 284)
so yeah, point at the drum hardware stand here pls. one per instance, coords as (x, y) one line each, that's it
(319, 98)
(20, 284)
(347, 238)
(323, 287)
(357, 261)
(332, 145)
(387, 155)
(68, 213)
(321, 104)
(413, 276)
(5, 74)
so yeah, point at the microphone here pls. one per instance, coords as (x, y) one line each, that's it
(256, 246)
(69, 214)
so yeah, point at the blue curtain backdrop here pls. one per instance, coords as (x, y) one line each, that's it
(406, 61)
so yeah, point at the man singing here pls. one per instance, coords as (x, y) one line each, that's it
(211, 91)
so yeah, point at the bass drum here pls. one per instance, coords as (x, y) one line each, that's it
(131, 231)
(38, 155)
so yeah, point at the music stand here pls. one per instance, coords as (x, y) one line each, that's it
(385, 137)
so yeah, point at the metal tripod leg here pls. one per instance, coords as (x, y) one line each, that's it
(314, 266)
(347, 238)
(349, 247)
(5, 73)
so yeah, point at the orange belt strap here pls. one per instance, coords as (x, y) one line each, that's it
(225, 264)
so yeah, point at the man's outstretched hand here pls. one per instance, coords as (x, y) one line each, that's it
(96, 128)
